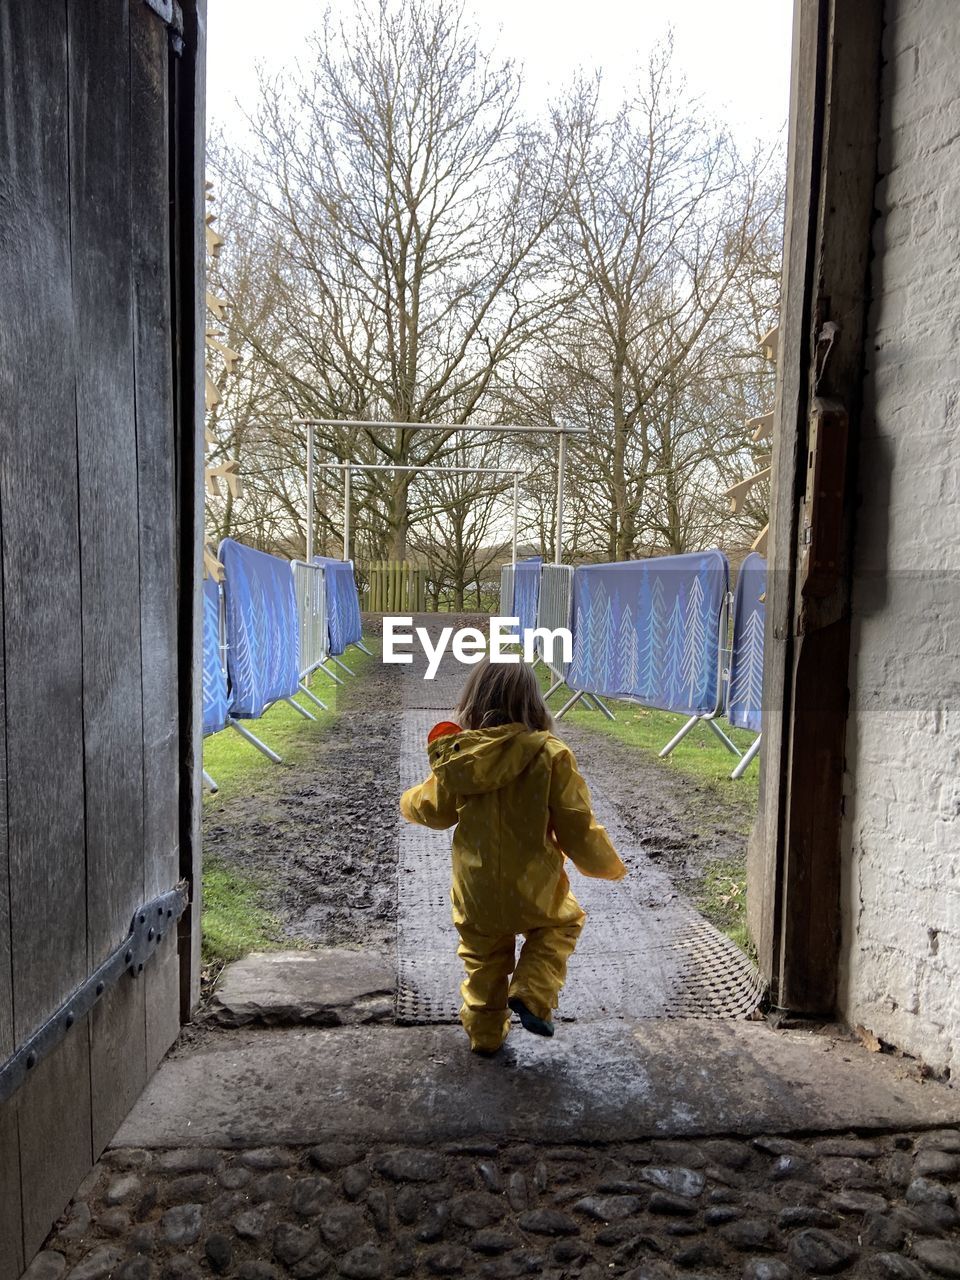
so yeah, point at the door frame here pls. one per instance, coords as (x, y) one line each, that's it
(794, 857)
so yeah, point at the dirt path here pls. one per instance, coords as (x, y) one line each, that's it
(321, 835)
(681, 824)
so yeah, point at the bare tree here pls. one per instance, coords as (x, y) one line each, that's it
(660, 219)
(408, 204)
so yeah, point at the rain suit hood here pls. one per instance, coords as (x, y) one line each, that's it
(519, 806)
(476, 761)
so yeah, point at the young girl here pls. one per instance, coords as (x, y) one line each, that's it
(519, 805)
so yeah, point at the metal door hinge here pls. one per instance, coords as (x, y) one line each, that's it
(151, 923)
(172, 15)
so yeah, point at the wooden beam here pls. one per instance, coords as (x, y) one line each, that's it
(189, 273)
(762, 426)
(737, 492)
(794, 861)
(765, 847)
(769, 344)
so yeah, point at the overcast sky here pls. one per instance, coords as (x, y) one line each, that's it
(735, 54)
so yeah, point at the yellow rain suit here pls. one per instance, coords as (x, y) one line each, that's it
(519, 805)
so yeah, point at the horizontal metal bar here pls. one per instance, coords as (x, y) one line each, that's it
(442, 426)
(151, 923)
(390, 466)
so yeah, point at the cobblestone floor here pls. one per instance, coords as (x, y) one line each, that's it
(760, 1209)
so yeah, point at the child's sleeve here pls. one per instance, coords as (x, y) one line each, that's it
(580, 836)
(430, 804)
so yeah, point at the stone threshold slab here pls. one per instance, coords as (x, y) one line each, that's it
(596, 1082)
(334, 986)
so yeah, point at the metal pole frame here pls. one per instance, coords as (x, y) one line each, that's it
(501, 427)
(561, 475)
(311, 483)
(347, 482)
(349, 467)
(516, 508)
(252, 738)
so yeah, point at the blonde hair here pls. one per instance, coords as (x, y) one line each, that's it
(498, 693)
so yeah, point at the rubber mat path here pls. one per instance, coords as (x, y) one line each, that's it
(645, 951)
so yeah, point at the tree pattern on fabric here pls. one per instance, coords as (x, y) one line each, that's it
(526, 591)
(214, 676)
(343, 603)
(745, 693)
(648, 629)
(263, 631)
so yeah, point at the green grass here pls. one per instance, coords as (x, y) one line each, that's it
(234, 920)
(723, 900)
(239, 768)
(700, 756)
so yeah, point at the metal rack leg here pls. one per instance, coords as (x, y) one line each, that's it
(593, 701)
(746, 758)
(342, 665)
(308, 693)
(307, 715)
(332, 674)
(211, 785)
(567, 705)
(244, 732)
(679, 736)
(731, 746)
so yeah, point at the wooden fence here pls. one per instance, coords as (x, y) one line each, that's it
(395, 586)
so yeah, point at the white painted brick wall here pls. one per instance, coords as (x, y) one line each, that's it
(901, 967)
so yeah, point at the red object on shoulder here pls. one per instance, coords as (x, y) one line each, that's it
(443, 730)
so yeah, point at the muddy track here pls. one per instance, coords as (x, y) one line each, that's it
(683, 825)
(322, 835)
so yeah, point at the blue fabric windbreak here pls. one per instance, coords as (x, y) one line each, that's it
(526, 591)
(343, 603)
(263, 631)
(745, 691)
(648, 629)
(214, 676)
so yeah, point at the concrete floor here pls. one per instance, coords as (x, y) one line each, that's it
(596, 1082)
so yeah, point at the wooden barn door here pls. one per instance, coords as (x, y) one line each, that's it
(99, 206)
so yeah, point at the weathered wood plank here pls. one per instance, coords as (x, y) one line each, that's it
(40, 553)
(157, 481)
(54, 1113)
(11, 1225)
(766, 844)
(189, 275)
(812, 865)
(7, 1040)
(794, 864)
(100, 172)
(42, 635)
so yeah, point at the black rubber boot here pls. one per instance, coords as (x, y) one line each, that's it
(530, 1021)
